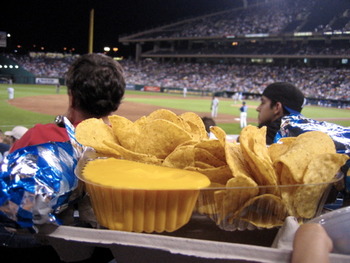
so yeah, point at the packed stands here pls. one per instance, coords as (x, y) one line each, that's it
(44, 64)
(246, 48)
(239, 50)
(316, 82)
(278, 28)
(271, 17)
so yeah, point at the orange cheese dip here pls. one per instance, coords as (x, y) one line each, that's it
(118, 173)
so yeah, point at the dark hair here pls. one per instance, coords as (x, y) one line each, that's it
(287, 94)
(274, 102)
(208, 122)
(96, 83)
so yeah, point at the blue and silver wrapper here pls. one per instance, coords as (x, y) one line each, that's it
(38, 182)
(293, 125)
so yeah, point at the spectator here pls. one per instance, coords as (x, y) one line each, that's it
(15, 134)
(4, 147)
(2, 136)
(11, 137)
(278, 99)
(96, 87)
(208, 122)
(311, 244)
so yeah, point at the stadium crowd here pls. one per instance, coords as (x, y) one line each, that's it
(315, 82)
(271, 17)
(44, 65)
(313, 48)
(319, 82)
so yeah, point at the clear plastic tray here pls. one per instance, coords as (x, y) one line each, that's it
(248, 208)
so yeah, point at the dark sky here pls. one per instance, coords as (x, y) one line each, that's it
(65, 23)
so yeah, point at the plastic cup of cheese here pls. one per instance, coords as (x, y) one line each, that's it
(139, 197)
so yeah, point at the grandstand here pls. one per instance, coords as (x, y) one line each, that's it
(282, 30)
(237, 50)
(36, 67)
(246, 48)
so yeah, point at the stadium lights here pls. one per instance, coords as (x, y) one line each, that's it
(106, 49)
(302, 34)
(336, 32)
(9, 66)
(115, 49)
(257, 35)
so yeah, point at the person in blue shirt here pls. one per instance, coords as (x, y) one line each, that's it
(243, 114)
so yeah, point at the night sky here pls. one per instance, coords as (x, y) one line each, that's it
(65, 23)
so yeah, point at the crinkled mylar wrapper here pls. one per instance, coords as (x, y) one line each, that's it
(37, 182)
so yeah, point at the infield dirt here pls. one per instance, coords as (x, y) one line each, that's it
(57, 104)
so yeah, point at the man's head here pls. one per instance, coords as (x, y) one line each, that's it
(208, 122)
(96, 85)
(279, 99)
(15, 134)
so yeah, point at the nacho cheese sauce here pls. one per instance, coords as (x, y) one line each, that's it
(126, 174)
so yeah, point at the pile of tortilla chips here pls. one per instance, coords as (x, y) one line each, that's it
(251, 182)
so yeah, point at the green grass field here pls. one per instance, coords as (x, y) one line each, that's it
(12, 116)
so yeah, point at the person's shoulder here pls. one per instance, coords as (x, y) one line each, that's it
(41, 133)
(51, 128)
(43, 127)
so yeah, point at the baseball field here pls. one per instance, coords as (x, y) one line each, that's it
(41, 103)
